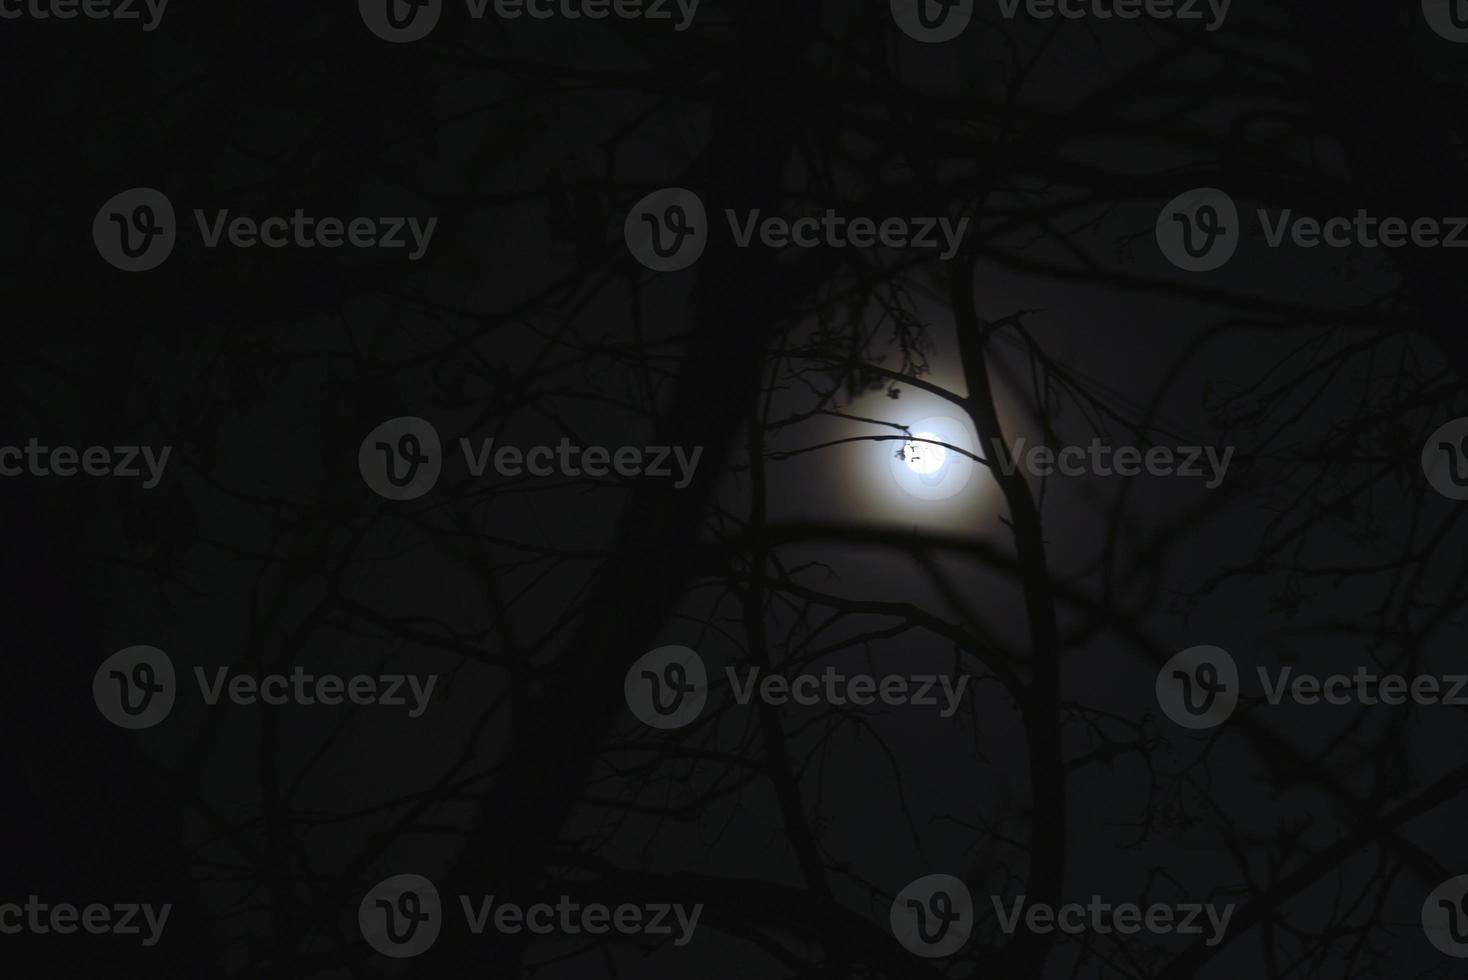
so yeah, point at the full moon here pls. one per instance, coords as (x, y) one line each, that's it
(935, 460)
(924, 455)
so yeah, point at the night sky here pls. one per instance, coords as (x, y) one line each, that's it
(874, 478)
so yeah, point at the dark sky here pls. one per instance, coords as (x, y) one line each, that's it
(530, 319)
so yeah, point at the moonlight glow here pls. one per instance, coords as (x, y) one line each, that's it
(923, 455)
(936, 461)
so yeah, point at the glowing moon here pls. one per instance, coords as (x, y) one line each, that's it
(936, 461)
(923, 455)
